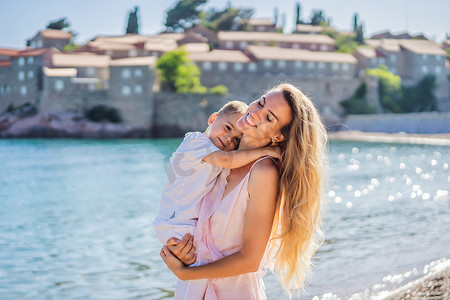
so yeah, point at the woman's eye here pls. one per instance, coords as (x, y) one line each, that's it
(268, 118)
(260, 103)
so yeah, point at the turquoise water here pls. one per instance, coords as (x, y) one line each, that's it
(75, 218)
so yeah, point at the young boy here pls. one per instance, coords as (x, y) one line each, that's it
(194, 167)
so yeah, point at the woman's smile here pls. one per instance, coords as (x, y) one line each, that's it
(250, 121)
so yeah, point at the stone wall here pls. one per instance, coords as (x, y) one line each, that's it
(427, 123)
(176, 114)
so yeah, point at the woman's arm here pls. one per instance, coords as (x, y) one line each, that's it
(239, 158)
(257, 228)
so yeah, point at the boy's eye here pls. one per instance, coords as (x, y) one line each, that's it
(238, 140)
(228, 128)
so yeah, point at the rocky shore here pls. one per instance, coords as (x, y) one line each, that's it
(29, 124)
(433, 286)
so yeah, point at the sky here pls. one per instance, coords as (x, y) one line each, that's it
(22, 19)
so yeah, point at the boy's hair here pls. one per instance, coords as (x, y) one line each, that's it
(233, 107)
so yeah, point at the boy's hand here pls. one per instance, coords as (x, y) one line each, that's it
(172, 241)
(274, 151)
(184, 250)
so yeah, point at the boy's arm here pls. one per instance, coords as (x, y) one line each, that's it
(238, 158)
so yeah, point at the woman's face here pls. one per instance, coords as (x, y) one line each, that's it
(266, 116)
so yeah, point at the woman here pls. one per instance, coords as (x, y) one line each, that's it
(261, 202)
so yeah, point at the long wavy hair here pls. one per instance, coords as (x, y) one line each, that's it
(296, 232)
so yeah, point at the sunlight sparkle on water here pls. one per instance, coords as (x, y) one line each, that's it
(348, 204)
(355, 150)
(402, 166)
(338, 199)
(426, 196)
(433, 162)
(331, 194)
(348, 188)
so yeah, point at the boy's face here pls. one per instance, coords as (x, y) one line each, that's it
(222, 131)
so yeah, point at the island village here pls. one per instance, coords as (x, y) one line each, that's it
(120, 72)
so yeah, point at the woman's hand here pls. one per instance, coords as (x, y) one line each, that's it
(184, 250)
(173, 263)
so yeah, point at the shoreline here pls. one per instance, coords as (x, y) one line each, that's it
(381, 137)
(432, 286)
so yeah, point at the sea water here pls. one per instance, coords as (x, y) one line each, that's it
(75, 219)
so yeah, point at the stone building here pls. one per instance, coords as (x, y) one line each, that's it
(262, 25)
(241, 39)
(92, 69)
(21, 76)
(216, 62)
(302, 63)
(308, 29)
(51, 38)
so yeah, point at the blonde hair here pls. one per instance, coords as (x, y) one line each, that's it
(233, 107)
(296, 232)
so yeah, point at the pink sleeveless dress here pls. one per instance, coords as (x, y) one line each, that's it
(219, 233)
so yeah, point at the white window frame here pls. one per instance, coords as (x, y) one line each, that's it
(90, 71)
(335, 66)
(267, 63)
(21, 61)
(311, 65)
(30, 60)
(425, 69)
(252, 67)
(345, 67)
(393, 57)
(138, 89)
(207, 66)
(321, 65)
(229, 45)
(59, 85)
(222, 66)
(424, 57)
(243, 45)
(126, 90)
(238, 67)
(126, 73)
(281, 64)
(23, 90)
(138, 73)
(30, 74)
(21, 76)
(132, 53)
(298, 64)
(437, 70)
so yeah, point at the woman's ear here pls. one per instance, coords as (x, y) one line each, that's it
(212, 118)
(278, 138)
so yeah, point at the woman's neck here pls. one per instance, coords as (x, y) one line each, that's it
(249, 142)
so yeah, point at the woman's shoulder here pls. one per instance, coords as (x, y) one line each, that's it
(265, 170)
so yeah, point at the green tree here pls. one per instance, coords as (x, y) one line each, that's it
(102, 113)
(355, 22)
(227, 19)
(389, 89)
(359, 34)
(345, 43)
(178, 73)
(318, 17)
(420, 97)
(356, 104)
(59, 24)
(297, 16)
(133, 24)
(184, 15)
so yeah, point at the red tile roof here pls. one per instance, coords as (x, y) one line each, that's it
(31, 52)
(8, 52)
(5, 63)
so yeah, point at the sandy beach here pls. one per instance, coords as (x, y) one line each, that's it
(403, 138)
